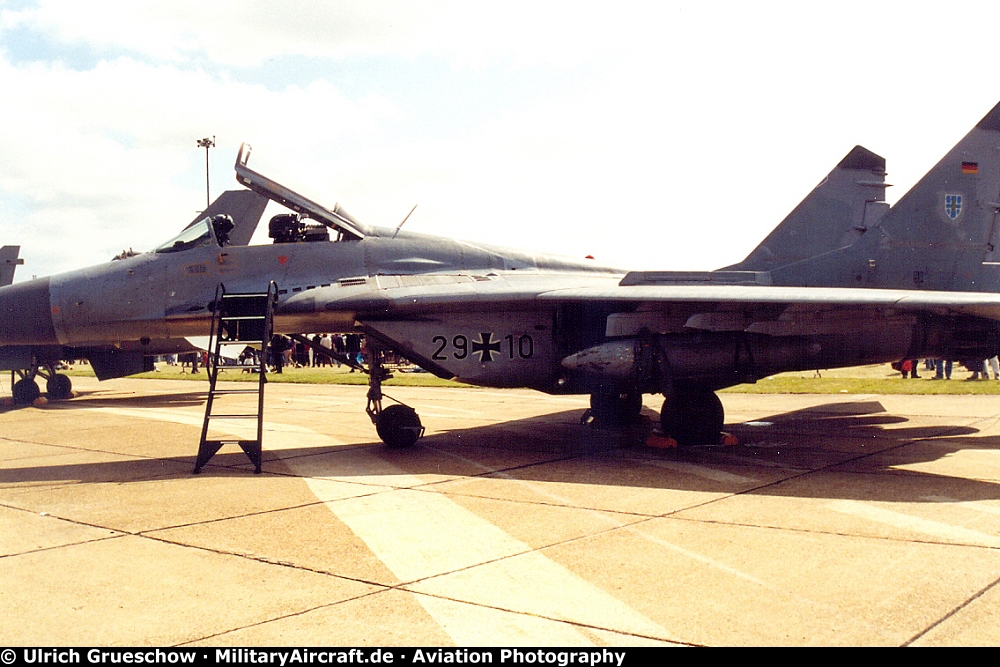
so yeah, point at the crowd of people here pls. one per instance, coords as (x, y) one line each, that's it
(942, 368)
(283, 352)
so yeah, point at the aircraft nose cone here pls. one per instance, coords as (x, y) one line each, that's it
(26, 314)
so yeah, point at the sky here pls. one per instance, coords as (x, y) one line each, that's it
(650, 135)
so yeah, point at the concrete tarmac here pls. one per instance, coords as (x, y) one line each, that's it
(838, 520)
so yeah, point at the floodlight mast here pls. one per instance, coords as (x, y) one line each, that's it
(207, 143)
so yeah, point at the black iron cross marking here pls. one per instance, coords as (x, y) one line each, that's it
(485, 346)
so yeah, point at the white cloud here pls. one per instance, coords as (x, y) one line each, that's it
(675, 135)
(113, 148)
(238, 32)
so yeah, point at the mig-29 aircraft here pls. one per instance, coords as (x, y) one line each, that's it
(842, 281)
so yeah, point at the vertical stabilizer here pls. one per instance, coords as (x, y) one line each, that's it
(8, 262)
(835, 214)
(941, 235)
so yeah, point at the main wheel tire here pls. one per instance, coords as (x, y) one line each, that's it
(616, 408)
(59, 387)
(25, 392)
(398, 426)
(693, 417)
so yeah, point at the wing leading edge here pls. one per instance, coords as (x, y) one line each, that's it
(389, 296)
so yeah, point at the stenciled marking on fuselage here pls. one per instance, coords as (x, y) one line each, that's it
(511, 346)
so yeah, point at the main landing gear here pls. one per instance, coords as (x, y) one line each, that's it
(615, 409)
(691, 416)
(58, 387)
(397, 425)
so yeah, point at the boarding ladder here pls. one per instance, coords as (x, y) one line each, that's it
(241, 320)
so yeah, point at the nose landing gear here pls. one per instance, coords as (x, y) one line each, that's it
(24, 391)
(397, 425)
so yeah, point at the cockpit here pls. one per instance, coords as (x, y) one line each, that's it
(214, 230)
(198, 234)
(292, 228)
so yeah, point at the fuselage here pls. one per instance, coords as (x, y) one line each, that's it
(498, 332)
(153, 299)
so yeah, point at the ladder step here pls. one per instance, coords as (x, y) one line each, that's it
(220, 392)
(247, 416)
(233, 318)
(230, 441)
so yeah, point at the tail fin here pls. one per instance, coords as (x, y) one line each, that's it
(8, 262)
(835, 214)
(944, 234)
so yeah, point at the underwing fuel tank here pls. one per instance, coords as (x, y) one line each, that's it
(616, 359)
(724, 359)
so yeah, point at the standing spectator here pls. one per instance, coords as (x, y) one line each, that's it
(943, 369)
(315, 356)
(301, 355)
(279, 345)
(353, 344)
(327, 344)
(977, 366)
(340, 346)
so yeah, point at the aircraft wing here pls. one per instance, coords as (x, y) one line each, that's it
(726, 296)
(385, 297)
(445, 322)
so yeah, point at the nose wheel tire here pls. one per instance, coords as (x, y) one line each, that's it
(398, 426)
(693, 417)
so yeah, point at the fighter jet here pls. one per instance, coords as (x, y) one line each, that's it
(841, 282)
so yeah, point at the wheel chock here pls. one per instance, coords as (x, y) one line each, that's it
(40, 402)
(729, 440)
(657, 441)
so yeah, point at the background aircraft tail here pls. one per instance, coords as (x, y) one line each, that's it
(244, 206)
(8, 262)
(835, 214)
(944, 234)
